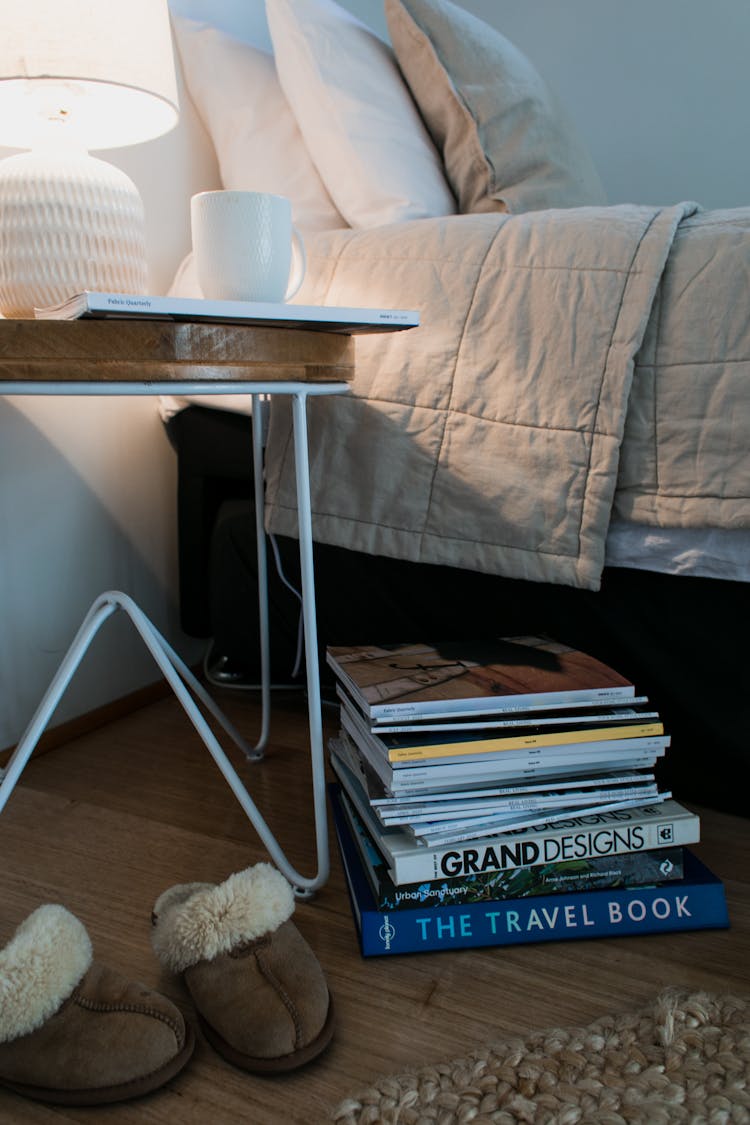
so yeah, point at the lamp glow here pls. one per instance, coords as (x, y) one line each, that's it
(77, 75)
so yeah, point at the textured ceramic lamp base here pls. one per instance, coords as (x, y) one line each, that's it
(68, 222)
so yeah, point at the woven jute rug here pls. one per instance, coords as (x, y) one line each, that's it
(684, 1057)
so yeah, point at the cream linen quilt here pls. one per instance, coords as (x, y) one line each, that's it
(569, 364)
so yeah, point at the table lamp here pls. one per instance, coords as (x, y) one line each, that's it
(77, 75)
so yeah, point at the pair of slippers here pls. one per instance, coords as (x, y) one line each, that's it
(74, 1032)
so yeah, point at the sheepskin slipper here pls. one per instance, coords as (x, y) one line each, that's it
(258, 988)
(73, 1032)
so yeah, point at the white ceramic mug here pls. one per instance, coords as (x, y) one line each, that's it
(243, 243)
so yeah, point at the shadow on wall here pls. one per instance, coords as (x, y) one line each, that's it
(87, 504)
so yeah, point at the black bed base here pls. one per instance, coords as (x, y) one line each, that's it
(681, 640)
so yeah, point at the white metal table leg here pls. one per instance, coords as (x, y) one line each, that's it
(89, 627)
(180, 678)
(317, 756)
(258, 408)
(182, 681)
(175, 671)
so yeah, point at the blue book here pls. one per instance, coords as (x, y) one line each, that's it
(695, 902)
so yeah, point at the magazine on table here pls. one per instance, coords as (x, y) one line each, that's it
(92, 304)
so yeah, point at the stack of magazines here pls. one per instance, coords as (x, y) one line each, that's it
(484, 781)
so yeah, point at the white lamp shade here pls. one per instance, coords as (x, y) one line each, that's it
(102, 68)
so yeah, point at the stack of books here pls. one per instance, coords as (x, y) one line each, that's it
(500, 792)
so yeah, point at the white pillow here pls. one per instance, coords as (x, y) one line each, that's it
(258, 144)
(359, 121)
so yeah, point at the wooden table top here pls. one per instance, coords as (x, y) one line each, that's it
(143, 351)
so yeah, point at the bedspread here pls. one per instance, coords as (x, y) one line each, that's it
(568, 365)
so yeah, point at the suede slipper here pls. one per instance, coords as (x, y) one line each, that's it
(259, 990)
(73, 1032)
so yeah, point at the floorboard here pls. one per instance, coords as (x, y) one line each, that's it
(105, 823)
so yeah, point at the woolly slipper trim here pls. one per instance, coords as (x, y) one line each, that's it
(199, 921)
(39, 968)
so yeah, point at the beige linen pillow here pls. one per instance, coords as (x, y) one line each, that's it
(506, 143)
(356, 115)
(259, 147)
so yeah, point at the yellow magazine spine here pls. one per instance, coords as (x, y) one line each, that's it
(522, 742)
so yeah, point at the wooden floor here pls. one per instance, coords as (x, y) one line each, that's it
(107, 822)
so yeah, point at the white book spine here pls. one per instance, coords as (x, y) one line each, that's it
(457, 834)
(403, 778)
(474, 811)
(499, 704)
(552, 846)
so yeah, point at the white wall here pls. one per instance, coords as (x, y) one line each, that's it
(86, 505)
(87, 491)
(659, 89)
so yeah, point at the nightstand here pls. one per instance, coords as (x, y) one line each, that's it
(155, 357)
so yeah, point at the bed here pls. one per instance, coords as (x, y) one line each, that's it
(563, 445)
(568, 370)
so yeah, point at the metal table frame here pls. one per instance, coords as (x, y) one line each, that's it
(188, 690)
